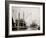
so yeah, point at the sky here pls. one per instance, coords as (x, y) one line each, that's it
(31, 14)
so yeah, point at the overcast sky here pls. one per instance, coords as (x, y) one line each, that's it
(31, 14)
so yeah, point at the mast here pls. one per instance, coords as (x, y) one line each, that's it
(23, 19)
(23, 15)
(18, 20)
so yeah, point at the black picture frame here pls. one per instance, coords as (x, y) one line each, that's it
(7, 18)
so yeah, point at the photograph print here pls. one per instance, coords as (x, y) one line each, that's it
(25, 19)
